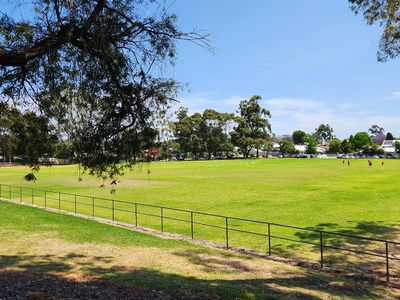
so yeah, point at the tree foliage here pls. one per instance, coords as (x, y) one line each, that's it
(27, 135)
(389, 136)
(207, 132)
(311, 144)
(324, 133)
(397, 147)
(334, 146)
(89, 65)
(387, 14)
(346, 146)
(298, 137)
(286, 147)
(360, 140)
(253, 126)
(376, 129)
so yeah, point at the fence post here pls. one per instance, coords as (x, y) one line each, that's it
(191, 224)
(59, 201)
(387, 261)
(20, 193)
(45, 199)
(92, 206)
(33, 196)
(113, 210)
(269, 239)
(226, 232)
(162, 219)
(75, 203)
(136, 214)
(321, 246)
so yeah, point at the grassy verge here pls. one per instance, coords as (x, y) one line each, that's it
(32, 240)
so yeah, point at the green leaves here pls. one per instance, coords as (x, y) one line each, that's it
(89, 66)
(387, 14)
(252, 125)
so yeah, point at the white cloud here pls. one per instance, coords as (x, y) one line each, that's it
(394, 96)
(293, 104)
(289, 114)
(345, 118)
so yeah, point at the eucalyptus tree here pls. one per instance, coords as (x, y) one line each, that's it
(376, 129)
(214, 132)
(324, 133)
(252, 125)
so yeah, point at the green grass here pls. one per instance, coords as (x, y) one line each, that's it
(33, 240)
(315, 193)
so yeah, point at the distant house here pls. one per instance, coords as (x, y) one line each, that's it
(300, 148)
(322, 149)
(388, 146)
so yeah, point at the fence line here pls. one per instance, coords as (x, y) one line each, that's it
(321, 245)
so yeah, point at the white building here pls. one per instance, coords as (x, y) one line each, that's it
(388, 146)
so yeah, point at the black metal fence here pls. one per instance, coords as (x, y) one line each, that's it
(321, 240)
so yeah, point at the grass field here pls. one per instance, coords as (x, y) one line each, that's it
(38, 248)
(317, 193)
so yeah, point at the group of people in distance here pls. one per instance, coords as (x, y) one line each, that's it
(369, 163)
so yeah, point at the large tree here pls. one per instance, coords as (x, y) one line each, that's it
(89, 65)
(376, 129)
(8, 118)
(334, 146)
(27, 134)
(346, 146)
(389, 136)
(214, 131)
(387, 14)
(286, 147)
(252, 125)
(298, 137)
(311, 144)
(187, 132)
(360, 140)
(324, 133)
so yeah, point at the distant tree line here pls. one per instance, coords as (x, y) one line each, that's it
(213, 132)
(31, 138)
(367, 142)
(210, 133)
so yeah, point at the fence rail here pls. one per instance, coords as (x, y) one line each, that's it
(32, 196)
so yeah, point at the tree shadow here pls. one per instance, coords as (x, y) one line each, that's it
(46, 277)
(343, 251)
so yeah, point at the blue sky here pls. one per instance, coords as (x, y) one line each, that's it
(312, 62)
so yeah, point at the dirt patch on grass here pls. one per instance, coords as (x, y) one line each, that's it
(35, 285)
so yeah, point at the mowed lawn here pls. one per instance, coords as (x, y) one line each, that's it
(317, 193)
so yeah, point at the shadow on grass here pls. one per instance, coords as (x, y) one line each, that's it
(46, 277)
(340, 251)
